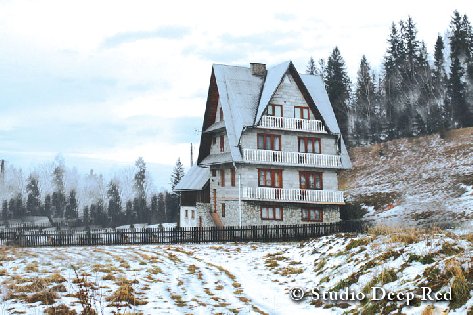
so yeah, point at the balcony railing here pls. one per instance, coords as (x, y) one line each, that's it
(293, 195)
(296, 124)
(292, 158)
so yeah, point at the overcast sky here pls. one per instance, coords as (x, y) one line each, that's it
(103, 82)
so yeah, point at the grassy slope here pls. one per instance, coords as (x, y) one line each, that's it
(424, 180)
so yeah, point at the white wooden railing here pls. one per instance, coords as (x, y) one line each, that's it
(292, 124)
(295, 158)
(292, 195)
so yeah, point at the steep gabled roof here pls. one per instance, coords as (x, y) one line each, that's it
(244, 97)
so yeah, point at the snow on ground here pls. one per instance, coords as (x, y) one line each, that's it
(416, 181)
(250, 278)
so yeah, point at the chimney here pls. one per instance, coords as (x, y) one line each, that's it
(258, 69)
(192, 156)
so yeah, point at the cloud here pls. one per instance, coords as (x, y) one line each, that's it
(166, 32)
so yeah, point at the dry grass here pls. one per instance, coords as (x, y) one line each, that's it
(45, 297)
(192, 269)
(385, 276)
(459, 284)
(290, 271)
(406, 235)
(178, 300)
(125, 293)
(60, 309)
(428, 310)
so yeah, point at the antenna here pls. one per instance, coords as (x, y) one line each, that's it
(192, 156)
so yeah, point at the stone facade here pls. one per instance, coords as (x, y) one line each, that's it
(226, 194)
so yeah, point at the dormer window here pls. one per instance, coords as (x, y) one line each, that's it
(301, 112)
(274, 110)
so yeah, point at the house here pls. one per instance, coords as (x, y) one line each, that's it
(269, 153)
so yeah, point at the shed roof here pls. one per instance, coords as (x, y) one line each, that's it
(195, 179)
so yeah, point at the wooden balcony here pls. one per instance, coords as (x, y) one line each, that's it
(293, 124)
(292, 158)
(293, 195)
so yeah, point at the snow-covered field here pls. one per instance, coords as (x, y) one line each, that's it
(237, 278)
(415, 181)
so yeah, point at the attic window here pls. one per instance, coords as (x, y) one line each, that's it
(274, 110)
(221, 114)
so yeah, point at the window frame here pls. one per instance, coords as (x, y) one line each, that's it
(309, 218)
(309, 141)
(222, 143)
(273, 108)
(222, 177)
(271, 214)
(268, 137)
(301, 110)
(221, 114)
(306, 175)
(232, 177)
(214, 172)
(223, 210)
(276, 180)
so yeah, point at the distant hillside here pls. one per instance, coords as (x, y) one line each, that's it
(415, 181)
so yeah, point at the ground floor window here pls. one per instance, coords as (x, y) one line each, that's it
(313, 215)
(271, 213)
(193, 214)
(187, 211)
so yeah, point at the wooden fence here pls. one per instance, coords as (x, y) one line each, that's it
(262, 233)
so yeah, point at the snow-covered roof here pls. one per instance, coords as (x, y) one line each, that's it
(244, 97)
(194, 179)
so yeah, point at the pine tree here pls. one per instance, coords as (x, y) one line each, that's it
(20, 208)
(161, 208)
(311, 67)
(130, 217)
(364, 105)
(177, 174)
(59, 194)
(33, 202)
(71, 206)
(47, 205)
(154, 209)
(438, 115)
(5, 212)
(458, 85)
(12, 208)
(338, 84)
(86, 216)
(172, 207)
(114, 203)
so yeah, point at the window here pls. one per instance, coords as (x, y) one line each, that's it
(222, 177)
(214, 172)
(187, 215)
(221, 114)
(310, 180)
(269, 142)
(269, 178)
(222, 143)
(315, 215)
(309, 145)
(214, 140)
(232, 177)
(193, 214)
(271, 213)
(223, 210)
(301, 112)
(274, 110)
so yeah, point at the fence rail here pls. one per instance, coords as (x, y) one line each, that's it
(261, 233)
(292, 158)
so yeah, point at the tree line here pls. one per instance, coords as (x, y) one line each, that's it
(103, 209)
(413, 95)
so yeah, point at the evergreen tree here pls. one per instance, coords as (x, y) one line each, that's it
(72, 207)
(47, 205)
(19, 206)
(338, 84)
(139, 202)
(59, 194)
(114, 203)
(33, 202)
(86, 216)
(161, 208)
(12, 208)
(311, 67)
(172, 207)
(177, 174)
(364, 106)
(459, 86)
(438, 115)
(154, 209)
(5, 212)
(130, 217)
